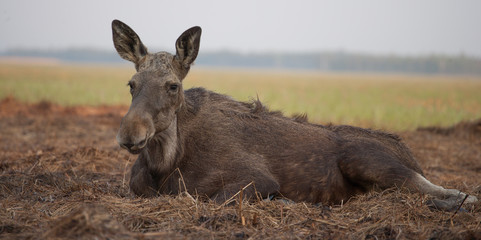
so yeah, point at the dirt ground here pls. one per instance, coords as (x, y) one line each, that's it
(62, 175)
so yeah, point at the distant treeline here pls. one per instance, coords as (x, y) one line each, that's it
(322, 61)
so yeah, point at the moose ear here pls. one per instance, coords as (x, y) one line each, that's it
(187, 46)
(128, 43)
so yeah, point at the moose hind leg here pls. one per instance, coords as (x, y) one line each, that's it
(368, 168)
(365, 166)
(448, 195)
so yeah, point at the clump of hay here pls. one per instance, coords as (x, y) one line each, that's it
(88, 221)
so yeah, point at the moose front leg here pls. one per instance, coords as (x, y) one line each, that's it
(252, 188)
(141, 181)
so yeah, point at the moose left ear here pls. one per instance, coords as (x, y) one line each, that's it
(187, 46)
(128, 43)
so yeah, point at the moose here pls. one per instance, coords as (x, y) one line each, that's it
(211, 145)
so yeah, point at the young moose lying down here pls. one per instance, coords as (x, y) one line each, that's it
(216, 145)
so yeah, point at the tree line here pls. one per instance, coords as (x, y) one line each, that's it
(336, 61)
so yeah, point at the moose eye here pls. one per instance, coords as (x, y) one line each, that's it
(131, 85)
(173, 87)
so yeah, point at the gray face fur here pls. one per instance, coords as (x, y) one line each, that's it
(156, 88)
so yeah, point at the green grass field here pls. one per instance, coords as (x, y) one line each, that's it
(394, 102)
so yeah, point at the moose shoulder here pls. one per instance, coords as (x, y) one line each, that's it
(213, 146)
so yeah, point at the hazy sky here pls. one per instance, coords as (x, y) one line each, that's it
(406, 27)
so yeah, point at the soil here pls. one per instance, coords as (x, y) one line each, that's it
(63, 176)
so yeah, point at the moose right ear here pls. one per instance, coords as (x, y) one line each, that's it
(127, 43)
(187, 46)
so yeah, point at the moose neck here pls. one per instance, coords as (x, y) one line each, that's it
(163, 149)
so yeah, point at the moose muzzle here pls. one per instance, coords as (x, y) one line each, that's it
(135, 132)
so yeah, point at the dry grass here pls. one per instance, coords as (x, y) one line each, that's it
(62, 176)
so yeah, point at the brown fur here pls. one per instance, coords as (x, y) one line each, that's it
(216, 145)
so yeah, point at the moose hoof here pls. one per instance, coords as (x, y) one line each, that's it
(444, 205)
(471, 199)
(452, 203)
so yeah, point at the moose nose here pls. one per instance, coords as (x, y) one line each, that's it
(127, 145)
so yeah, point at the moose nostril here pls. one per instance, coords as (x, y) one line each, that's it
(128, 145)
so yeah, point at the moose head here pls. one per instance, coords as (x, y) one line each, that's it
(156, 88)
